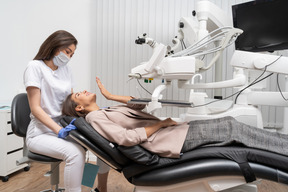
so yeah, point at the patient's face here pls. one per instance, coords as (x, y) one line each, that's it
(84, 98)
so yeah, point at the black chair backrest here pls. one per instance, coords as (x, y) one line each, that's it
(94, 137)
(20, 114)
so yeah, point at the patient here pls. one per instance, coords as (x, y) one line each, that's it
(128, 125)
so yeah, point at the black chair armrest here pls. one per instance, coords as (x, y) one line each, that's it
(139, 155)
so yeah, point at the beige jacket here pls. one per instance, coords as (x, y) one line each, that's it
(125, 124)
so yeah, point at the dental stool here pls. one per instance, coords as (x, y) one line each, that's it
(20, 119)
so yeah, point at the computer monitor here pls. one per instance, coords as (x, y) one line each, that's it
(265, 25)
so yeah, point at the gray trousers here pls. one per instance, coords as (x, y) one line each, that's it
(225, 131)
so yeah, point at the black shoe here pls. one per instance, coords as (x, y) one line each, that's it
(96, 190)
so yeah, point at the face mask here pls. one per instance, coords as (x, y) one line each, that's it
(61, 59)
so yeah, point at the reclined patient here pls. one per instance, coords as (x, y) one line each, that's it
(128, 125)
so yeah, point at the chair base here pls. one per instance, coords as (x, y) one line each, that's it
(56, 190)
(208, 184)
(54, 178)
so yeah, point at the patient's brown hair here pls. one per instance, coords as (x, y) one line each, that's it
(68, 108)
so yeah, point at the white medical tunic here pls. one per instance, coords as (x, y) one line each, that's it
(54, 86)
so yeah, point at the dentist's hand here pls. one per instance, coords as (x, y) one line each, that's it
(64, 132)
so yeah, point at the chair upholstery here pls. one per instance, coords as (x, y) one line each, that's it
(20, 119)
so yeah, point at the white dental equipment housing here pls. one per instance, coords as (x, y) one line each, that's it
(212, 26)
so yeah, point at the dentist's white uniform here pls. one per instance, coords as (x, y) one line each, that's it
(55, 86)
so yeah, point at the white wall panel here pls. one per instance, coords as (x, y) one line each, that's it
(24, 27)
(119, 22)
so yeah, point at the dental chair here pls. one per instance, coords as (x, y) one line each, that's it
(207, 169)
(20, 118)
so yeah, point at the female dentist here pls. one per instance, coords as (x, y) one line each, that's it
(48, 81)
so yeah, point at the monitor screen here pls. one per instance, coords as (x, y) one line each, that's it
(264, 24)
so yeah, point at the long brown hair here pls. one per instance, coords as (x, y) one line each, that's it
(68, 108)
(58, 40)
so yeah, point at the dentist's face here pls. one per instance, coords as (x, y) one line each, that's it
(69, 51)
(84, 98)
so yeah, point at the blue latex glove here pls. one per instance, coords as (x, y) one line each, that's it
(64, 132)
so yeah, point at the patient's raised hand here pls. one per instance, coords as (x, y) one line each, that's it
(103, 90)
